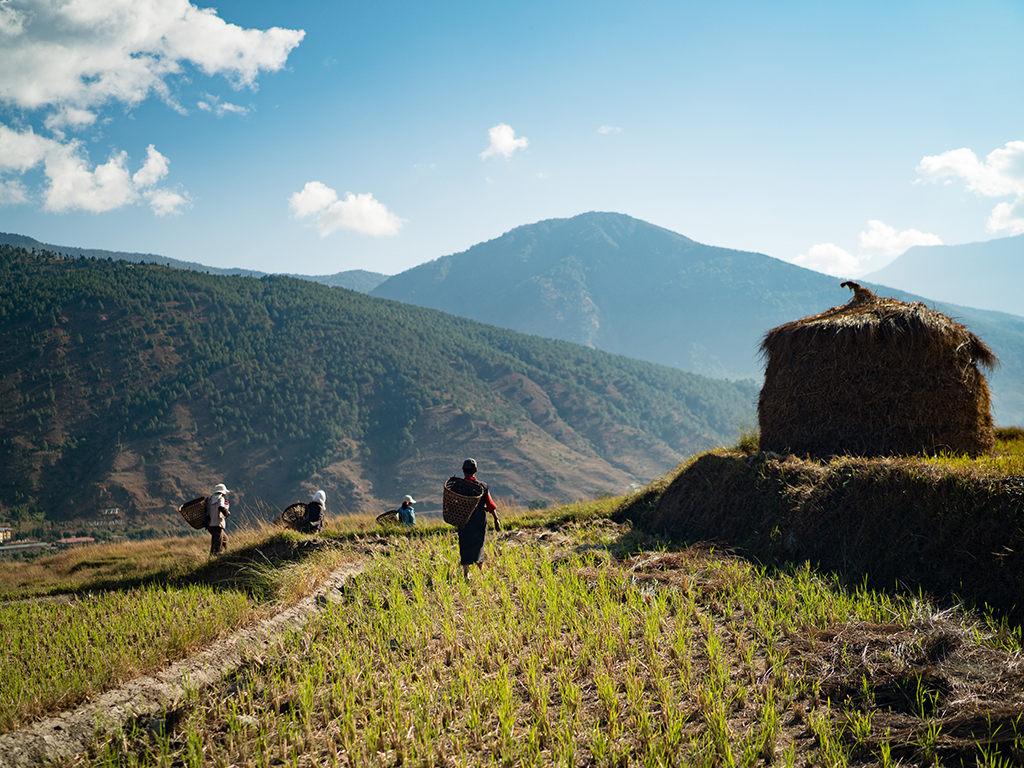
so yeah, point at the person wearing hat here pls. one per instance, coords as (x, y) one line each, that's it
(217, 511)
(406, 513)
(474, 533)
(314, 522)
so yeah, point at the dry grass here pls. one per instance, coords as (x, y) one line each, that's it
(875, 377)
(946, 524)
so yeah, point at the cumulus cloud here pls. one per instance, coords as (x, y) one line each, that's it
(211, 103)
(999, 174)
(69, 117)
(72, 184)
(828, 258)
(66, 60)
(503, 142)
(12, 192)
(357, 212)
(879, 245)
(609, 129)
(883, 240)
(1008, 216)
(85, 53)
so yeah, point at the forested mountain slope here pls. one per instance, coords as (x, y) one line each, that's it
(356, 279)
(626, 286)
(141, 386)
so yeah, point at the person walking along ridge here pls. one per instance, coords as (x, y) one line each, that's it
(217, 511)
(315, 513)
(473, 534)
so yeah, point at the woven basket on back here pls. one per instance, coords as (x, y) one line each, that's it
(293, 516)
(391, 516)
(194, 512)
(460, 500)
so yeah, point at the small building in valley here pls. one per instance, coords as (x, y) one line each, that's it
(73, 541)
(875, 377)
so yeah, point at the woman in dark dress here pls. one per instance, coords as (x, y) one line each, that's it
(474, 533)
(314, 521)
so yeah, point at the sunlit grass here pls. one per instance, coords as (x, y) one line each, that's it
(549, 656)
(57, 650)
(53, 655)
(571, 647)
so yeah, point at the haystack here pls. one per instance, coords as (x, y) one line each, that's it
(875, 377)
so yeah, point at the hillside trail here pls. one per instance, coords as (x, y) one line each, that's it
(68, 733)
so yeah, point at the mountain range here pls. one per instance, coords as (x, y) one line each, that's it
(989, 274)
(139, 386)
(131, 383)
(622, 285)
(356, 279)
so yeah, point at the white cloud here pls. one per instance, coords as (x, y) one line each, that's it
(68, 59)
(314, 197)
(12, 192)
(879, 244)
(154, 169)
(21, 151)
(609, 129)
(12, 21)
(69, 117)
(85, 53)
(503, 142)
(164, 201)
(1008, 216)
(71, 184)
(211, 103)
(357, 212)
(1000, 174)
(828, 258)
(884, 240)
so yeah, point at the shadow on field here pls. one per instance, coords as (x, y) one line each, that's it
(881, 522)
(929, 691)
(249, 569)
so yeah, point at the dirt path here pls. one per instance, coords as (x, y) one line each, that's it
(68, 733)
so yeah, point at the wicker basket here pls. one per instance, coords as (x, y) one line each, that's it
(293, 516)
(391, 516)
(460, 500)
(194, 512)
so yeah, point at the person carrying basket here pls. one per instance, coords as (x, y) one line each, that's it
(473, 534)
(217, 511)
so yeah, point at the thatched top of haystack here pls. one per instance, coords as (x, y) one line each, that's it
(880, 321)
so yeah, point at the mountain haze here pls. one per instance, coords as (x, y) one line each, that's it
(619, 284)
(987, 275)
(141, 386)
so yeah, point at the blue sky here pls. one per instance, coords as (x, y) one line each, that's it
(317, 137)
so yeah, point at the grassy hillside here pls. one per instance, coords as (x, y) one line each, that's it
(945, 524)
(584, 642)
(140, 386)
(625, 286)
